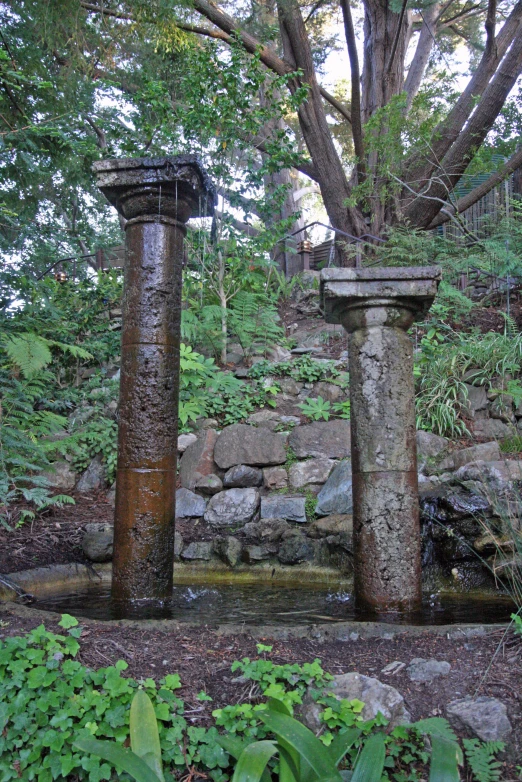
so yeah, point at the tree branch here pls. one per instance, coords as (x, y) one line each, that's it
(422, 53)
(490, 27)
(514, 162)
(358, 140)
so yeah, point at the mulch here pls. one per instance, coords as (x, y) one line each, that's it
(488, 665)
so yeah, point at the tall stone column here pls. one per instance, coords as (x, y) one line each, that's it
(377, 306)
(156, 197)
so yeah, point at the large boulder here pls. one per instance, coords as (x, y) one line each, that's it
(189, 505)
(229, 550)
(492, 429)
(94, 477)
(280, 506)
(484, 452)
(336, 494)
(485, 717)
(198, 459)
(209, 484)
(232, 507)
(498, 475)
(60, 476)
(323, 439)
(312, 472)
(97, 543)
(242, 476)
(296, 549)
(376, 696)
(474, 400)
(429, 445)
(243, 444)
(198, 549)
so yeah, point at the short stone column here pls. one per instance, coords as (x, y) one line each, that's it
(377, 306)
(156, 197)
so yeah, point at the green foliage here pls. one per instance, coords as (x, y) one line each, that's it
(511, 444)
(143, 760)
(97, 437)
(517, 623)
(481, 758)
(316, 408)
(304, 369)
(444, 358)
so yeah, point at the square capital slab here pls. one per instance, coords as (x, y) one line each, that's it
(140, 186)
(412, 287)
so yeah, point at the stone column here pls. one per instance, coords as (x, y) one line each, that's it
(377, 306)
(156, 197)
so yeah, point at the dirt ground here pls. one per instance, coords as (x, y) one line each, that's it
(486, 665)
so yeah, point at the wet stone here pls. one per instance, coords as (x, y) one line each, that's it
(336, 494)
(94, 477)
(283, 507)
(336, 524)
(232, 507)
(267, 530)
(275, 478)
(209, 484)
(229, 550)
(242, 476)
(253, 554)
(189, 505)
(243, 444)
(198, 459)
(97, 543)
(295, 549)
(201, 549)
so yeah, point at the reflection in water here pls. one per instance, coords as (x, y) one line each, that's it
(255, 604)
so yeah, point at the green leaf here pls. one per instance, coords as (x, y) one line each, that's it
(444, 760)
(303, 742)
(144, 734)
(67, 621)
(123, 758)
(233, 745)
(342, 743)
(252, 761)
(370, 762)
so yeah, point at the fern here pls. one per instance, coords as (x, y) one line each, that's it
(28, 352)
(481, 759)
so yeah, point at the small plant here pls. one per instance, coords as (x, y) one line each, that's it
(316, 408)
(342, 409)
(143, 760)
(511, 444)
(480, 756)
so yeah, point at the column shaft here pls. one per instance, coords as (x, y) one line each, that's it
(147, 439)
(385, 492)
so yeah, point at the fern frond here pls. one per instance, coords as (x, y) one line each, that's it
(28, 352)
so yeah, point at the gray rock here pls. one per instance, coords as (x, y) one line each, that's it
(331, 392)
(184, 440)
(430, 445)
(60, 476)
(336, 494)
(189, 505)
(229, 550)
(476, 399)
(111, 495)
(376, 696)
(311, 472)
(198, 549)
(290, 386)
(178, 546)
(292, 420)
(336, 524)
(242, 476)
(279, 353)
(420, 670)
(275, 478)
(253, 554)
(283, 507)
(502, 408)
(498, 475)
(492, 429)
(243, 444)
(94, 477)
(328, 439)
(267, 530)
(209, 484)
(486, 452)
(263, 417)
(198, 459)
(98, 541)
(485, 717)
(295, 549)
(232, 507)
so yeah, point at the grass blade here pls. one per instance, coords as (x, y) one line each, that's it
(444, 760)
(370, 762)
(118, 756)
(252, 762)
(144, 736)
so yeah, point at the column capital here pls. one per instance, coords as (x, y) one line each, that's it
(174, 188)
(378, 296)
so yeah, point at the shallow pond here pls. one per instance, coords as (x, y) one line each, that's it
(258, 604)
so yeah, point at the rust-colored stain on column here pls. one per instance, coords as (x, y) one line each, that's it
(157, 197)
